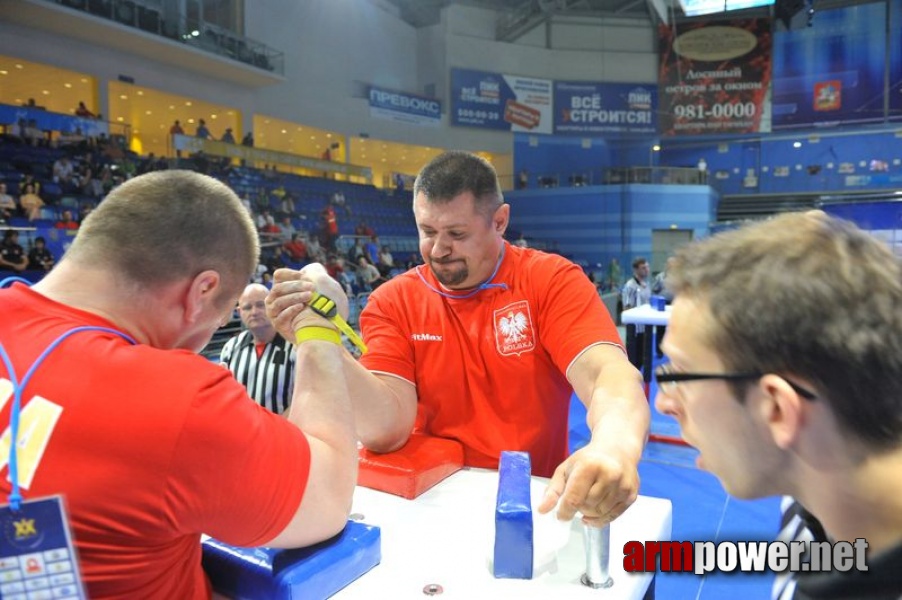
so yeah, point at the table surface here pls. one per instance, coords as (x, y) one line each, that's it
(446, 537)
(645, 315)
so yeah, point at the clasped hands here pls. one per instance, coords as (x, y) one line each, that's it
(287, 301)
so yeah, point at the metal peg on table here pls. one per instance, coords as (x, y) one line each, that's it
(598, 553)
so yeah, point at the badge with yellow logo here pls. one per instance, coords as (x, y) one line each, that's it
(37, 552)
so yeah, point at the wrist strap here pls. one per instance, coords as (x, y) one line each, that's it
(325, 334)
(326, 308)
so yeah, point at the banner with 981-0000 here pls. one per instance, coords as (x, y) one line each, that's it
(715, 77)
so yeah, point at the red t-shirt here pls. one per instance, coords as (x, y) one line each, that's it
(490, 369)
(150, 449)
(331, 221)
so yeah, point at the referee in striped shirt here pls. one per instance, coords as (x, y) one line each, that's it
(259, 358)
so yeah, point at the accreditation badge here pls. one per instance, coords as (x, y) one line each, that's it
(37, 555)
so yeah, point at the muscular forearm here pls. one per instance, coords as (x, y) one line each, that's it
(618, 412)
(384, 414)
(321, 407)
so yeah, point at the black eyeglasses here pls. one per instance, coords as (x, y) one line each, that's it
(664, 375)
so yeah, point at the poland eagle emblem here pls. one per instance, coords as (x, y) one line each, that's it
(513, 329)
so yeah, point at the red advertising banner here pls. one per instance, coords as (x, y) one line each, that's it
(715, 77)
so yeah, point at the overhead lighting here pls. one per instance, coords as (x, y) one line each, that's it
(18, 66)
(45, 92)
(67, 85)
(123, 97)
(187, 103)
(140, 92)
(148, 113)
(4, 72)
(797, 144)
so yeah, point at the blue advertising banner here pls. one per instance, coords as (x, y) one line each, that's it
(832, 72)
(50, 121)
(585, 108)
(496, 101)
(405, 108)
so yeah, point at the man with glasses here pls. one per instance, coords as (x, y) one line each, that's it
(785, 347)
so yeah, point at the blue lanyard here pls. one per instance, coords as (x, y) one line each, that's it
(482, 286)
(15, 496)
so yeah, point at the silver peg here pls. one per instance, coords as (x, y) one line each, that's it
(598, 553)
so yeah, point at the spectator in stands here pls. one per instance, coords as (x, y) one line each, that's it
(202, 131)
(286, 230)
(176, 129)
(335, 267)
(82, 111)
(522, 179)
(88, 175)
(296, 249)
(66, 221)
(64, 174)
(329, 228)
(12, 255)
(86, 210)
(286, 207)
(315, 251)
(270, 229)
(364, 230)
(386, 261)
(521, 242)
(413, 260)
(338, 199)
(8, 207)
(368, 276)
(372, 250)
(33, 134)
(228, 137)
(258, 357)
(356, 251)
(190, 452)
(248, 140)
(40, 257)
(805, 375)
(636, 292)
(535, 331)
(31, 203)
(74, 141)
(29, 180)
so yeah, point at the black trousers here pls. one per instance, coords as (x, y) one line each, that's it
(634, 345)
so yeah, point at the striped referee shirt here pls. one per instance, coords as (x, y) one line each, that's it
(269, 379)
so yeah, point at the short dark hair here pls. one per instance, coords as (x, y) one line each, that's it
(451, 174)
(639, 261)
(808, 295)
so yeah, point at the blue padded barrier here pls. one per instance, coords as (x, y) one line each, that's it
(513, 518)
(311, 573)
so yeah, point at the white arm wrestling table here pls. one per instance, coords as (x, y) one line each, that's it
(649, 316)
(442, 542)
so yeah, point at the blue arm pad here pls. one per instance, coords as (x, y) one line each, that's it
(513, 518)
(318, 571)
